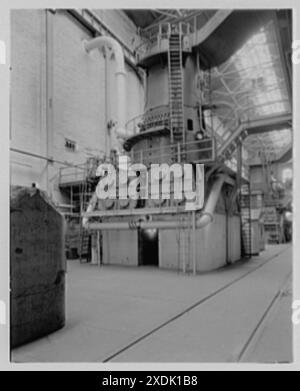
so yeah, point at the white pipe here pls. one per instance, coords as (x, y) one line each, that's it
(90, 208)
(205, 217)
(120, 73)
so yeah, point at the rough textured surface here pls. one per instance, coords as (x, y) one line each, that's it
(37, 266)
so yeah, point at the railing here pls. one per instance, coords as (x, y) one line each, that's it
(154, 36)
(79, 173)
(197, 151)
(158, 116)
(72, 174)
(188, 26)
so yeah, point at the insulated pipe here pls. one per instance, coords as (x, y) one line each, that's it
(90, 208)
(205, 217)
(120, 73)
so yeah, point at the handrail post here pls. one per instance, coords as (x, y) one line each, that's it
(159, 29)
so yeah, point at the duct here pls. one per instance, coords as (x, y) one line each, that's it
(204, 218)
(120, 73)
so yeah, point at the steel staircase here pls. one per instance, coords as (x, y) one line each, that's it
(87, 190)
(176, 93)
(228, 147)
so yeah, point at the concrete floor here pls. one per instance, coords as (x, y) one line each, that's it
(274, 342)
(144, 314)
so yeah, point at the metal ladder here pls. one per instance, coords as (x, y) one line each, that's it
(176, 92)
(245, 203)
(186, 249)
(229, 146)
(87, 191)
(184, 246)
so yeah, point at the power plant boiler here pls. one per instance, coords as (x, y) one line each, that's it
(176, 127)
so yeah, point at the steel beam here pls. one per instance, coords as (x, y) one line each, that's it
(268, 124)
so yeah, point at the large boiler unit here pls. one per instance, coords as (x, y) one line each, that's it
(174, 128)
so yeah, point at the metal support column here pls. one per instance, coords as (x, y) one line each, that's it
(49, 89)
(194, 242)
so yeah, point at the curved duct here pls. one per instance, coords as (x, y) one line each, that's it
(90, 208)
(120, 73)
(205, 217)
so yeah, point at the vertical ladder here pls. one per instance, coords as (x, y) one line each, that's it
(87, 191)
(176, 90)
(184, 244)
(245, 202)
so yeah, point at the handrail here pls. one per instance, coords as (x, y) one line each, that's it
(159, 32)
(77, 172)
(189, 25)
(157, 114)
(206, 150)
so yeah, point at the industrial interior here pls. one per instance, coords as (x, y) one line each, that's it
(160, 86)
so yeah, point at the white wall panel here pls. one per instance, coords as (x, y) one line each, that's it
(28, 105)
(79, 103)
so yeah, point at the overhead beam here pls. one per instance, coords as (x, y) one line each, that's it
(165, 13)
(230, 93)
(284, 52)
(286, 156)
(268, 124)
(213, 23)
(169, 19)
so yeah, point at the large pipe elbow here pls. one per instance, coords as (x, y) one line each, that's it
(207, 216)
(111, 43)
(90, 208)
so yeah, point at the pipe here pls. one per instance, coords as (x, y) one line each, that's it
(90, 208)
(120, 73)
(205, 217)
